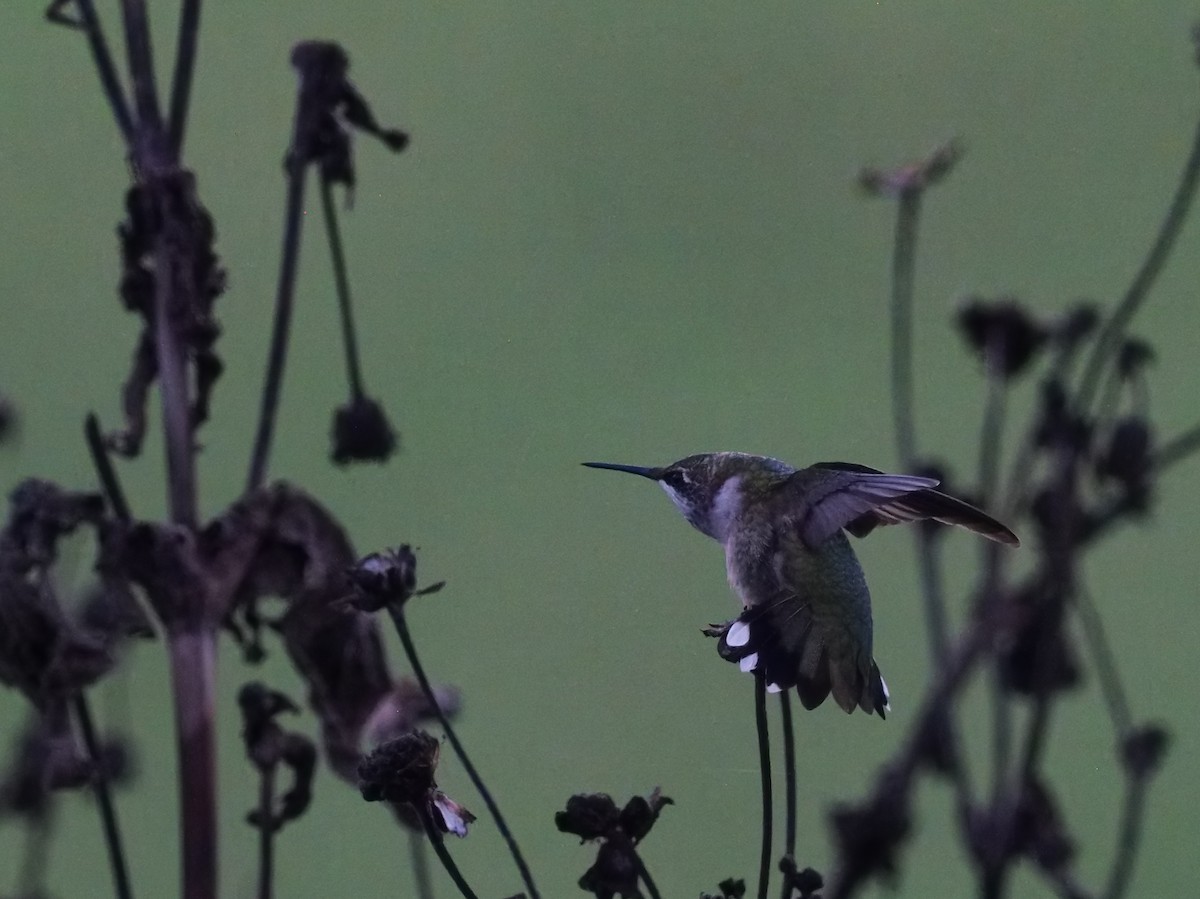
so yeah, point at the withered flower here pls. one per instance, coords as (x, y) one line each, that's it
(730, 889)
(1002, 333)
(387, 578)
(362, 432)
(1143, 750)
(913, 177)
(268, 745)
(401, 771)
(594, 816)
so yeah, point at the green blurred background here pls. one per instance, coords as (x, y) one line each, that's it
(626, 232)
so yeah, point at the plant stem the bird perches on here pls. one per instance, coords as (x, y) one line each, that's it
(108, 812)
(410, 650)
(789, 780)
(764, 765)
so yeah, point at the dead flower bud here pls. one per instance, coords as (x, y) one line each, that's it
(1126, 459)
(1143, 750)
(803, 883)
(362, 433)
(588, 816)
(328, 103)
(730, 889)
(387, 578)
(401, 771)
(594, 816)
(1002, 333)
(268, 746)
(913, 177)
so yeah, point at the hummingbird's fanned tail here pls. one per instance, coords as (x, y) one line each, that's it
(781, 643)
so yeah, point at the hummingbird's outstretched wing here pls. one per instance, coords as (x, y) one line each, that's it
(833, 495)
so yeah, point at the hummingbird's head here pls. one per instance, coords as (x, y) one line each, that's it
(694, 485)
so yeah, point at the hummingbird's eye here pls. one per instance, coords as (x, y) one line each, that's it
(676, 480)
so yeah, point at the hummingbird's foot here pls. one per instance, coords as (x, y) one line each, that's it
(717, 630)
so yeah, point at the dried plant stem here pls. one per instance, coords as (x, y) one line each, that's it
(141, 70)
(1129, 836)
(789, 781)
(342, 286)
(107, 475)
(1177, 449)
(37, 851)
(990, 441)
(904, 254)
(443, 854)
(1104, 660)
(410, 651)
(108, 812)
(105, 68)
(420, 865)
(651, 886)
(764, 765)
(280, 333)
(185, 67)
(266, 832)
(1115, 325)
(192, 655)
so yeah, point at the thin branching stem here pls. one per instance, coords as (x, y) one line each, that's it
(443, 854)
(894, 781)
(789, 782)
(1135, 295)
(107, 475)
(904, 253)
(420, 865)
(342, 285)
(281, 330)
(32, 871)
(904, 426)
(1129, 834)
(651, 886)
(1104, 660)
(100, 786)
(185, 67)
(141, 68)
(410, 650)
(1177, 449)
(110, 82)
(764, 765)
(266, 832)
(990, 441)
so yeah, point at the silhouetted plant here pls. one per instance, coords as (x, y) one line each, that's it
(1089, 459)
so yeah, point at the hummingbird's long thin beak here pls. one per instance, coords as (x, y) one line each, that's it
(651, 473)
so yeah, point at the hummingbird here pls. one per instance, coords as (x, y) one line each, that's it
(806, 610)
